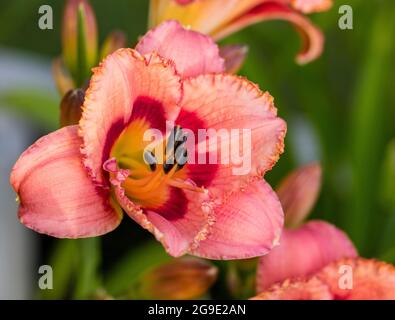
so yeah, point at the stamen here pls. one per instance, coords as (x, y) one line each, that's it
(181, 155)
(185, 185)
(147, 185)
(149, 158)
(176, 153)
(168, 165)
(174, 136)
(180, 141)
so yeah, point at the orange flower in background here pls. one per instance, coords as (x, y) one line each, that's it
(220, 18)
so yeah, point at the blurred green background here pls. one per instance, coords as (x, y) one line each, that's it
(340, 110)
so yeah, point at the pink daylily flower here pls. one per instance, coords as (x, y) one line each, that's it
(77, 181)
(304, 248)
(220, 18)
(303, 251)
(369, 280)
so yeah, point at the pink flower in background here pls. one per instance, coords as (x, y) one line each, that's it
(303, 251)
(304, 248)
(220, 18)
(368, 280)
(76, 181)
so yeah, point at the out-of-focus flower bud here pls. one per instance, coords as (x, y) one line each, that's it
(79, 39)
(298, 193)
(183, 278)
(62, 79)
(70, 107)
(234, 56)
(115, 40)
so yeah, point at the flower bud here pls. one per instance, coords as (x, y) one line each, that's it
(298, 193)
(234, 56)
(184, 278)
(70, 107)
(79, 39)
(62, 79)
(116, 40)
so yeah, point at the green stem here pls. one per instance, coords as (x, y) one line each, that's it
(87, 273)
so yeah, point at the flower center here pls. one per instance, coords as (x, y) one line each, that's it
(152, 171)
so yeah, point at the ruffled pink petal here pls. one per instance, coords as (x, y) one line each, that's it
(193, 53)
(302, 252)
(180, 224)
(311, 289)
(57, 196)
(371, 279)
(225, 103)
(182, 230)
(125, 83)
(271, 10)
(247, 224)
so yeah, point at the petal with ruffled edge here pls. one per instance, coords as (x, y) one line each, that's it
(247, 224)
(371, 279)
(124, 80)
(179, 224)
(271, 10)
(312, 289)
(248, 136)
(193, 53)
(57, 196)
(302, 252)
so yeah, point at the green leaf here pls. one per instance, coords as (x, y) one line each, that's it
(89, 258)
(133, 265)
(388, 179)
(39, 106)
(367, 138)
(63, 262)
